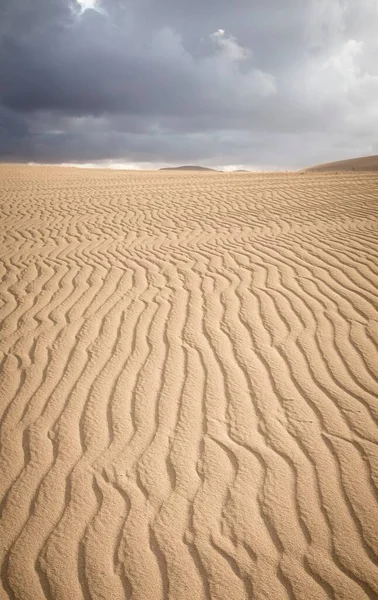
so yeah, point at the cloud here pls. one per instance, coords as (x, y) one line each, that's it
(162, 81)
(87, 4)
(228, 46)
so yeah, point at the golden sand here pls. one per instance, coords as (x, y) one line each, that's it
(364, 163)
(189, 385)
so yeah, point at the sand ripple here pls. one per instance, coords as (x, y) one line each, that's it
(189, 384)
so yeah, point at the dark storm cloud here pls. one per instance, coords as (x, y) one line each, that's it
(94, 66)
(252, 82)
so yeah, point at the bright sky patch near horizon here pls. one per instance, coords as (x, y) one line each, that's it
(256, 84)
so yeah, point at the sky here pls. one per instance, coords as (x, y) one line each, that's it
(260, 84)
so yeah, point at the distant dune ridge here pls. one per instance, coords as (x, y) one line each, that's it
(188, 385)
(187, 168)
(365, 163)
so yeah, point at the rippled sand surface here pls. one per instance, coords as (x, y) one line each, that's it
(189, 385)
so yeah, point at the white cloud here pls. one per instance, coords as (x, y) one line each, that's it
(91, 4)
(340, 80)
(229, 47)
(225, 66)
(264, 83)
(85, 4)
(325, 23)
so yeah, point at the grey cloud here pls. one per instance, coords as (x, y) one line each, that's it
(90, 69)
(154, 81)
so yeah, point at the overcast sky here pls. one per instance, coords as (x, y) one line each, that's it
(254, 83)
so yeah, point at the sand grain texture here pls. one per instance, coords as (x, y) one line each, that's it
(188, 385)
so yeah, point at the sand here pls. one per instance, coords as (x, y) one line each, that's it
(187, 168)
(364, 163)
(188, 386)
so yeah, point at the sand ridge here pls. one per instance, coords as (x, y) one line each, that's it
(363, 163)
(189, 384)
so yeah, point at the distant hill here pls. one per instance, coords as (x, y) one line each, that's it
(365, 163)
(240, 171)
(187, 168)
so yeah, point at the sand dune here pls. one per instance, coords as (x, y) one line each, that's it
(187, 168)
(189, 385)
(364, 163)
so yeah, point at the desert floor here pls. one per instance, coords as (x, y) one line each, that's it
(189, 385)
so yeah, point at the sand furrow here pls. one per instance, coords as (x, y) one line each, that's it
(188, 385)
